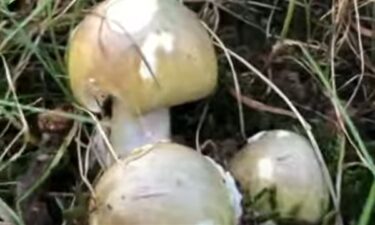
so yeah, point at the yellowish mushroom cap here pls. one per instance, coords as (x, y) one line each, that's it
(280, 172)
(166, 184)
(104, 55)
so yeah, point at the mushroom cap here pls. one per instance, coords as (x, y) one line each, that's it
(164, 184)
(279, 169)
(177, 65)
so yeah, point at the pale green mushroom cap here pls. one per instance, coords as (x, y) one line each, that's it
(283, 166)
(166, 184)
(147, 54)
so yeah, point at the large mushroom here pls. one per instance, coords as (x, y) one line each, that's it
(167, 184)
(148, 55)
(280, 173)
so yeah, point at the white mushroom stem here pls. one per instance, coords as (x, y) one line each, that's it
(130, 131)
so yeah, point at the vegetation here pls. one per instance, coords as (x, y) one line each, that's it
(303, 65)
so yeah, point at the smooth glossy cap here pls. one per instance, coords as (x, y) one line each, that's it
(165, 184)
(280, 169)
(104, 55)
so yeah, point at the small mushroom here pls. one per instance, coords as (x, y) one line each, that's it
(280, 173)
(168, 184)
(148, 55)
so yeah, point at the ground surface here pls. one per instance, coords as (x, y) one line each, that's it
(319, 56)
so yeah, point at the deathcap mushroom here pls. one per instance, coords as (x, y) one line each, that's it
(280, 173)
(167, 184)
(148, 55)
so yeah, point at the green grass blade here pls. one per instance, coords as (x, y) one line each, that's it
(7, 214)
(369, 208)
(366, 159)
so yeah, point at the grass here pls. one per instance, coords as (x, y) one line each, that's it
(311, 59)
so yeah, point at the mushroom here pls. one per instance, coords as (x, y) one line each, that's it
(165, 183)
(148, 56)
(280, 173)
